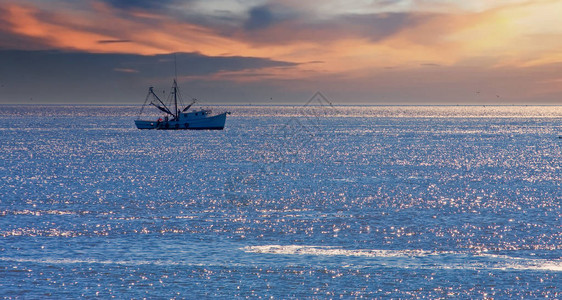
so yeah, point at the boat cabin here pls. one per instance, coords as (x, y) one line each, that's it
(198, 114)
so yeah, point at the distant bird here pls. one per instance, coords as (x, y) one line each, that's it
(498, 96)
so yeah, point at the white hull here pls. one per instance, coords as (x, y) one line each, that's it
(202, 123)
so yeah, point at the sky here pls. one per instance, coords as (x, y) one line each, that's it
(281, 52)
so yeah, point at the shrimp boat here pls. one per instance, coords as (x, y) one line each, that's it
(177, 118)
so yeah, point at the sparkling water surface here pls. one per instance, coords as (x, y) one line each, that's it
(286, 202)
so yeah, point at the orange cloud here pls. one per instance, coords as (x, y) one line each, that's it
(66, 33)
(70, 32)
(523, 34)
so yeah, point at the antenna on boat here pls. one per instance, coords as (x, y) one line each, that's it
(175, 67)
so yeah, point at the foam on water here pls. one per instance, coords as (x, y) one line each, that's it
(69, 261)
(404, 259)
(330, 251)
(419, 258)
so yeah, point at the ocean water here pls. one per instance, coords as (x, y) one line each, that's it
(286, 202)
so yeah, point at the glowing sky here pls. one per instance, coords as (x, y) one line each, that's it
(257, 51)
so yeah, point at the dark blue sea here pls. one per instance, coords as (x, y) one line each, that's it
(285, 202)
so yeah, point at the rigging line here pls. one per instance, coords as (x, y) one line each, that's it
(143, 105)
(191, 98)
(188, 95)
(180, 101)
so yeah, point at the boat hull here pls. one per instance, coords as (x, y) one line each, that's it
(209, 123)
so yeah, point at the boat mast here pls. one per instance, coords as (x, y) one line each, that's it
(176, 99)
(175, 88)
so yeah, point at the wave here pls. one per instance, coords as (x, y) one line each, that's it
(404, 259)
(332, 251)
(70, 261)
(419, 258)
(521, 263)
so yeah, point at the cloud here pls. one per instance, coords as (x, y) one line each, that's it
(282, 28)
(355, 40)
(149, 32)
(142, 4)
(363, 32)
(62, 63)
(78, 76)
(125, 70)
(430, 65)
(264, 16)
(14, 40)
(379, 26)
(113, 41)
(260, 17)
